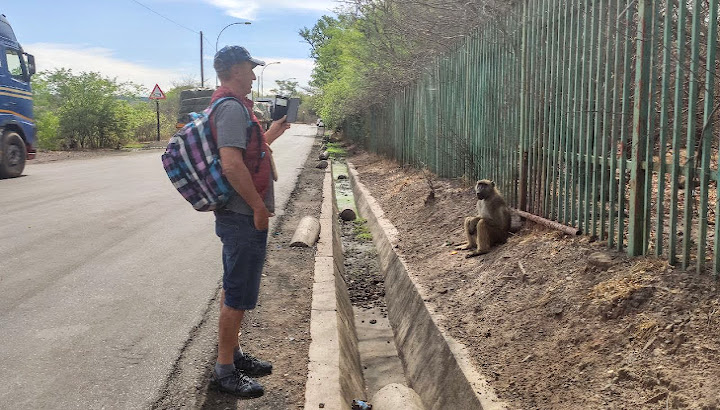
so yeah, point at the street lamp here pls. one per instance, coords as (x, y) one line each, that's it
(262, 79)
(221, 31)
(218, 40)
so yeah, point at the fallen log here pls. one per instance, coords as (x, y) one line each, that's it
(551, 224)
(307, 233)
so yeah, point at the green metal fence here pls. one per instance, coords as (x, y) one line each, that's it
(602, 115)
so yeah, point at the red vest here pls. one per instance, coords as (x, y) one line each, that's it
(257, 153)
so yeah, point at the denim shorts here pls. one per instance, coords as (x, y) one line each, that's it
(243, 256)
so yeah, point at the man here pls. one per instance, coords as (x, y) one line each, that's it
(242, 225)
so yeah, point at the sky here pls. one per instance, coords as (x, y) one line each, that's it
(158, 41)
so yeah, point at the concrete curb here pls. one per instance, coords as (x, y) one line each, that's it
(436, 366)
(334, 372)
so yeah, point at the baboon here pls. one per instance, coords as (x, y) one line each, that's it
(492, 223)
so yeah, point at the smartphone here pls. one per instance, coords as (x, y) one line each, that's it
(292, 109)
(279, 107)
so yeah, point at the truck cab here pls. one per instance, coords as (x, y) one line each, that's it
(17, 126)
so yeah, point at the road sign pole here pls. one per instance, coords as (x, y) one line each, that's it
(157, 95)
(157, 104)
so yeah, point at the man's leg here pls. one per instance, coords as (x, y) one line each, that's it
(240, 288)
(228, 329)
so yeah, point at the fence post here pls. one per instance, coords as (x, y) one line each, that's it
(636, 230)
(523, 157)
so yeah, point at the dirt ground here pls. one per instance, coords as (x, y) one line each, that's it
(551, 324)
(556, 322)
(45, 156)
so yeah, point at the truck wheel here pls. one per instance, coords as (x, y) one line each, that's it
(12, 156)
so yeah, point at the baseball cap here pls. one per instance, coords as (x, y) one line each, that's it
(228, 56)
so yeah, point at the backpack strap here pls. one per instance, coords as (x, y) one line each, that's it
(223, 99)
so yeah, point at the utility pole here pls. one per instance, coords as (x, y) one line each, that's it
(202, 68)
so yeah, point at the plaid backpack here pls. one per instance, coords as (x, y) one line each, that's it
(192, 163)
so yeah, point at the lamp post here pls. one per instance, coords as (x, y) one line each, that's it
(261, 85)
(218, 39)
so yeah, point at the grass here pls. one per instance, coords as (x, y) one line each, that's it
(335, 150)
(361, 231)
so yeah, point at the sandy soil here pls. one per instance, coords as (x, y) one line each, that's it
(556, 322)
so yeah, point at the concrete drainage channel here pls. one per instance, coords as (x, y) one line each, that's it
(353, 353)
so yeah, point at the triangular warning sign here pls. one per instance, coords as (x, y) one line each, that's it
(157, 93)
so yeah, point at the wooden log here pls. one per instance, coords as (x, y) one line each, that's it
(324, 155)
(307, 233)
(551, 224)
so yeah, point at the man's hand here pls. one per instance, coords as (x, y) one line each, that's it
(261, 218)
(277, 128)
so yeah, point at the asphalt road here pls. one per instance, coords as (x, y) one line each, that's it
(104, 271)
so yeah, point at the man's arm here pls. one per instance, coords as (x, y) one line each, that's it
(277, 128)
(239, 177)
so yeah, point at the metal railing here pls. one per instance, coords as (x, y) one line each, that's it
(597, 114)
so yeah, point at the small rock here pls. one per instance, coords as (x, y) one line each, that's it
(322, 165)
(623, 374)
(322, 405)
(372, 322)
(600, 259)
(342, 176)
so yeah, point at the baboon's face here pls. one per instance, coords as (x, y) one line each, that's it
(484, 188)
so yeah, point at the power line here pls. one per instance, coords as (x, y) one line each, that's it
(166, 18)
(212, 46)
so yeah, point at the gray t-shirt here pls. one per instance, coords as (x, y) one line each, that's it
(231, 120)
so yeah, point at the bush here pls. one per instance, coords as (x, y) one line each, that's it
(48, 130)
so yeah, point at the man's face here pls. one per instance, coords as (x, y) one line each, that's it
(244, 76)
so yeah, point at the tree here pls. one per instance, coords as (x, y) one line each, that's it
(286, 87)
(92, 111)
(377, 47)
(88, 110)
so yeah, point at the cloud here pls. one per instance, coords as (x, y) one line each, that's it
(297, 68)
(81, 58)
(247, 9)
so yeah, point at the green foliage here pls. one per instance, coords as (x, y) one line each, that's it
(88, 110)
(170, 107)
(335, 150)
(376, 48)
(288, 88)
(306, 111)
(85, 110)
(48, 130)
(343, 66)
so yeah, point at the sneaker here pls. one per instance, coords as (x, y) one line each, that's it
(252, 366)
(237, 383)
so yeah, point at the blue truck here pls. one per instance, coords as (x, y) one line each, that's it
(17, 127)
